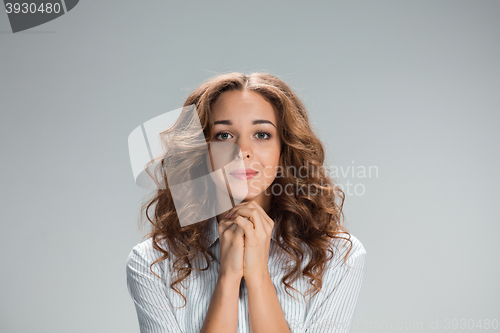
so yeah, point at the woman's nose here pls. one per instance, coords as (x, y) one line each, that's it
(246, 151)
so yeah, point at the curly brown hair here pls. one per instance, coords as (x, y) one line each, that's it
(300, 219)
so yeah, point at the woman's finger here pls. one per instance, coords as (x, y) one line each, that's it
(238, 230)
(266, 217)
(224, 225)
(245, 224)
(260, 219)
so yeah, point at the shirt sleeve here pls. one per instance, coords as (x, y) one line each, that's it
(333, 310)
(148, 293)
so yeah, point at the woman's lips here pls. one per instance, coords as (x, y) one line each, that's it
(244, 175)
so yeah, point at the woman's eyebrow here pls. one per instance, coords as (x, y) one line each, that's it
(255, 122)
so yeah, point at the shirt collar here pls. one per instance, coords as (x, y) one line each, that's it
(214, 231)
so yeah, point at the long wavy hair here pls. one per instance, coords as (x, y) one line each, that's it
(302, 221)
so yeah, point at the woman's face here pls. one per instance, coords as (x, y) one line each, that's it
(246, 119)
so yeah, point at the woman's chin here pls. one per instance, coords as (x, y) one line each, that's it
(237, 200)
(249, 197)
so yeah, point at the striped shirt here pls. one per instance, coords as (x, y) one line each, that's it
(330, 310)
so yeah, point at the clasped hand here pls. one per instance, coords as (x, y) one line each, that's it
(258, 228)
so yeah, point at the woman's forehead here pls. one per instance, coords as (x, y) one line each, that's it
(247, 105)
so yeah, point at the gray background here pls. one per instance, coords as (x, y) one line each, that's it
(410, 87)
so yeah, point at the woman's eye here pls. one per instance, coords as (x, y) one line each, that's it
(222, 133)
(264, 133)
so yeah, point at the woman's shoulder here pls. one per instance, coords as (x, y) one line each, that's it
(346, 244)
(143, 255)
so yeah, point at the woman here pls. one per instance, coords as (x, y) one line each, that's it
(286, 233)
